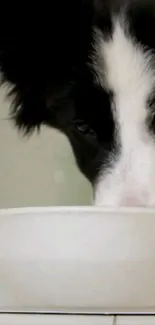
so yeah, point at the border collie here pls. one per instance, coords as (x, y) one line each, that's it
(87, 68)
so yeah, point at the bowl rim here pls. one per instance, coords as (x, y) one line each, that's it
(79, 209)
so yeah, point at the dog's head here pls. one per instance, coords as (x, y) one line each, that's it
(87, 68)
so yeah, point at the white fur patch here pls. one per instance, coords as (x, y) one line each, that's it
(127, 70)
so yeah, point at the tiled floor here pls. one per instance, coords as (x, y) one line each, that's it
(55, 320)
(17, 319)
(135, 320)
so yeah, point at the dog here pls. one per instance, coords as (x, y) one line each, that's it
(87, 69)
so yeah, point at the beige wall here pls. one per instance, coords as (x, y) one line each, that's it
(40, 171)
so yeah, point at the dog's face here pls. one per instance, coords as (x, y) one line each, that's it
(92, 76)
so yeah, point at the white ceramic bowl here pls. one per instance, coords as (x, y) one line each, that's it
(77, 260)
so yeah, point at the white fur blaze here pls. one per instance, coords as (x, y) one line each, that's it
(126, 69)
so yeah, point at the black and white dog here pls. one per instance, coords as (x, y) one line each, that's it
(87, 68)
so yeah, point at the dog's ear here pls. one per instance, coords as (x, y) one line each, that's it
(25, 69)
(39, 55)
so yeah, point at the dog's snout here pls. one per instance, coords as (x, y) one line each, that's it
(132, 201)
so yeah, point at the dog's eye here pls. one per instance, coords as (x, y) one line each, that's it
(84, 128)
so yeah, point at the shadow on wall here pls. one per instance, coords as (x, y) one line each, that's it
(40, 171)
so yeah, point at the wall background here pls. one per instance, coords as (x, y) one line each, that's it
(40, 171)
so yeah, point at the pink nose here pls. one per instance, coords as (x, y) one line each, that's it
(131, 201)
